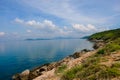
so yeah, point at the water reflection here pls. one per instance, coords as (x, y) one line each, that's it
(20, 55)
(2, 47)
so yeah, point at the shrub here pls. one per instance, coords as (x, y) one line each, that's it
(101, 51)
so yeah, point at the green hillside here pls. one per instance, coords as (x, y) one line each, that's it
(106, 35)
(111, 38)
(104, 64)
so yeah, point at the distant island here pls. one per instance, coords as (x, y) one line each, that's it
(102, 63)
(34, 39)
(85, 37)
(30, 39)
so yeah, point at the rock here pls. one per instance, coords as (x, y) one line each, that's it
(22, 76)
(98, 45)
(76, 55)
(53, 65)
(39, 71)
(16, 77)
(42, 69)
(85, 50)
(26, 72)
(25, 75)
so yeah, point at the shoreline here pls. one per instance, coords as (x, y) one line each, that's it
(40, 72)
(101, 63)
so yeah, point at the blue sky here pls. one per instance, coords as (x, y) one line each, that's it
(20, 19)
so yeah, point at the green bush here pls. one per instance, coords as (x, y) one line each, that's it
(101, 51)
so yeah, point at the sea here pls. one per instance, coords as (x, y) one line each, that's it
(18, 55)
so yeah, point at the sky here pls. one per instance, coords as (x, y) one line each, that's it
(21, 19)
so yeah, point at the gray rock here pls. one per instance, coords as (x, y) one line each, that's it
(98, 45)
(26, 72)
(16, 77)
(25, 75)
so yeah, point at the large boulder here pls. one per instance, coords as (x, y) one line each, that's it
(22, 76)
(25, 75)
(78, 54)
(98, 45)
(16, 77)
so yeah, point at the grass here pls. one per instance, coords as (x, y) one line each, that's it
(91, 69)
(110, 47)
(113, 72)
(79, 71)
(117, 65)
(92, 72)
(71, 74)
(111, 37)
(106, 35)
(61, 68)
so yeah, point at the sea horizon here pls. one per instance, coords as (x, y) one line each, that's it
(21, 55)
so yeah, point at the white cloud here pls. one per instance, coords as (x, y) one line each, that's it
(31, 23)
(63, 9)
(45, 25)
(19, 20)
(2, 33)
(81, 27)
(91, 27)
(48, 28)
(73, 10)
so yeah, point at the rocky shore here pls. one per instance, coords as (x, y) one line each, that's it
(102, 63)
(47, 71)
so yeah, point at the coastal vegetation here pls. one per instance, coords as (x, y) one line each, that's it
(106, 35)
(103, 65)
(61, 68)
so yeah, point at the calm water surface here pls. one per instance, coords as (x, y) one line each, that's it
(16, 56)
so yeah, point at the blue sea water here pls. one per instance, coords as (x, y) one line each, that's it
(16, 56)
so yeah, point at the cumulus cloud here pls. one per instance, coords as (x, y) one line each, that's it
(45, 24)
(2, 33)
(48, 28)
(31, 23)
(81, 27)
